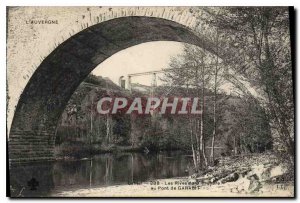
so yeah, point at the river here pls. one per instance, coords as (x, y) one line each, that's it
(46, 178)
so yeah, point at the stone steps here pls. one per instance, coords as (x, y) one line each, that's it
(28, 145)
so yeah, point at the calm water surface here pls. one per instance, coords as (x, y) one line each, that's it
(46, 178)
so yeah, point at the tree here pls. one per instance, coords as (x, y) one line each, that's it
(197, 75)
(260, 44)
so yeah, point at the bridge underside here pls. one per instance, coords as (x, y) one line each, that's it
(51, 86)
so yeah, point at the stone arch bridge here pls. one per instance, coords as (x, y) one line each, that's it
(50, 50)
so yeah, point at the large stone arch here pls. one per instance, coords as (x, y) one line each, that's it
(29, 41)
(59, 74)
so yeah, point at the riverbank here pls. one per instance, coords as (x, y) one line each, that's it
(77, 151)
(173, 188)
(80, 150)
(257, 175)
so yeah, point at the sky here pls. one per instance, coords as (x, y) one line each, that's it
(150, 56)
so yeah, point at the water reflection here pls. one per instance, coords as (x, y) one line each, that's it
(100, 170)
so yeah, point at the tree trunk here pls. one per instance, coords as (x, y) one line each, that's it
(234, 145)
(91, 127)
(212, 154)
(202, 146)
(108, 127)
